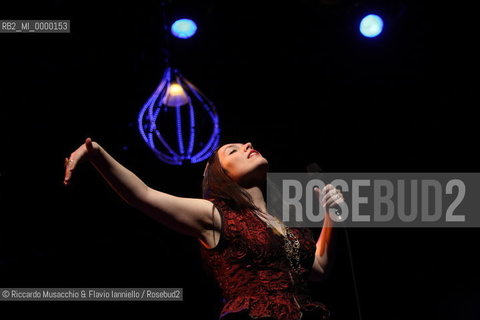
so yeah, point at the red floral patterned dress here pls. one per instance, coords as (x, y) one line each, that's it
(254, 274)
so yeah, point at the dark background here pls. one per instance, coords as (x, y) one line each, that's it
(297, 80)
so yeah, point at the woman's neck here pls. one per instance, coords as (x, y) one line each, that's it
(258, 198)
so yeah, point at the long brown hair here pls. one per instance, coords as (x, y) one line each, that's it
(218, 185)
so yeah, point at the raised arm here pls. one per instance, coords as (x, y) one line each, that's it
(329, 197)
(185, 215)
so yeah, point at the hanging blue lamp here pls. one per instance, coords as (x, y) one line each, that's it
(179, 123)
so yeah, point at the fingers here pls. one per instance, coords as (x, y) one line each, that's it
(88, 144)
(76, 157)
(69, 166)
(329, 195)
(336, 198)
(321, 193)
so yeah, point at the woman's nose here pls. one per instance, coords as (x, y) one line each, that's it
(247, 146)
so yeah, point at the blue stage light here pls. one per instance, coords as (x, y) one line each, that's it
(371, 26)
(184, 28)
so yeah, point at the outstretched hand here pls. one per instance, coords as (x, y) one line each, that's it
(84, 152)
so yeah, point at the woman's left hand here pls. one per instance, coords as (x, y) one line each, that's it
(330, 196)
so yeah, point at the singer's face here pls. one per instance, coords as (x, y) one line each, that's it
(242, 163)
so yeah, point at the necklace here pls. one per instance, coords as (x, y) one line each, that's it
(291, 244)
(292, 250)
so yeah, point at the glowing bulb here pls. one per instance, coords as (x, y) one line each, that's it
(175, 96)
(176, 89)
(184, 28)
(371, 26)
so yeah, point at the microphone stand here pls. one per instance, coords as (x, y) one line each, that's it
(315, 168)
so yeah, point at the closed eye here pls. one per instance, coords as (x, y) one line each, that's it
(234, 150)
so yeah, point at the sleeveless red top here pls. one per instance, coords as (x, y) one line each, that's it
(253, 272)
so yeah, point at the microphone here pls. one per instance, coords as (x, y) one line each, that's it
(314, 167)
